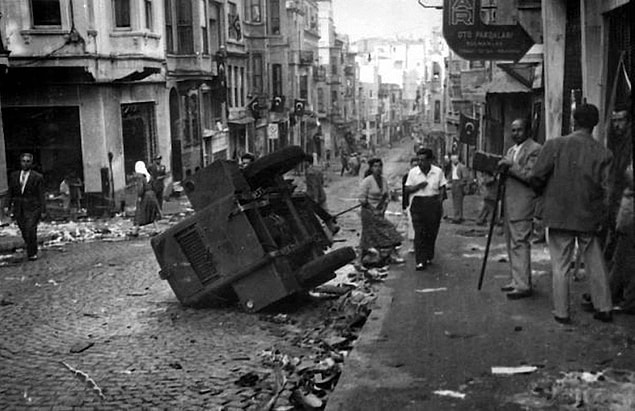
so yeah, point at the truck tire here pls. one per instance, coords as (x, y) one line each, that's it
(262, 171)
(321, 269)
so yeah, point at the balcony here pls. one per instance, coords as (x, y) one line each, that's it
(335, 79)
(301, 57)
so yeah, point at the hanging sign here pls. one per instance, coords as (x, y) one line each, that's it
(471, 39)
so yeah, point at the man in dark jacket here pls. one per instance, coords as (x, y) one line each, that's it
(26, 202)
(574, 171)
(158, 174)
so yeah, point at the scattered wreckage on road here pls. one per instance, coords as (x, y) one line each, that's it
(252, 237)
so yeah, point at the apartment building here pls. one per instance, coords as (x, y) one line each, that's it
(85, 89)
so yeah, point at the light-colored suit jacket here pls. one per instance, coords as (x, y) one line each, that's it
(520, 198)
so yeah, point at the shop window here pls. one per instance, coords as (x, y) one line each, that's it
(184, 27)
(122, 14)
(46, 13)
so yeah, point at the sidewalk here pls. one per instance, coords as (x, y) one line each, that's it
(432, 339)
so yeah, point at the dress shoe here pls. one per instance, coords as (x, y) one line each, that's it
(517, 295)
(396, 260)
(507, 288)
(420, 267)
(562, 320)
(604, 316)
(33, 257)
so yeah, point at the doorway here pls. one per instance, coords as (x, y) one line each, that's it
(139, 134)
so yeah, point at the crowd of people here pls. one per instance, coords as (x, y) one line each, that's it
(574, 186)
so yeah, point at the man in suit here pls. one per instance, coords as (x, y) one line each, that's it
(26, 202)
(459, 177)
(519, 204)
(574, 172)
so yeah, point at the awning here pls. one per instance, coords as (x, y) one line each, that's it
(241, 120)
(503, 83)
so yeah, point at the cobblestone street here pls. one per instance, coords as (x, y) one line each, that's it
(101, 309)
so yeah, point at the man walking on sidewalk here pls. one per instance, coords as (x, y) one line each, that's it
(26, 202)
(426, 186)
(459, 177)
(574, 172)
(519, 205)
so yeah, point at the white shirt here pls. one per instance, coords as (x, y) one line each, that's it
(24, 177)
(435, 179)
(455, 171)
(516, 149)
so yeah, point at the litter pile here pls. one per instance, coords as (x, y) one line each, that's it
(303, 369)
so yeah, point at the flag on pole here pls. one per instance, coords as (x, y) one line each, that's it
(468, 130)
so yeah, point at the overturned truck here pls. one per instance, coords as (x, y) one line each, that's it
(252, 238)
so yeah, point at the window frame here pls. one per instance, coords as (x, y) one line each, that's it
(46, 26)
(114, 15)
(148, 13)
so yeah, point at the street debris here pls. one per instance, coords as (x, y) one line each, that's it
(450, 393)
(87, 379)
(81, 346)
(430, 290)
(458, 335)
(523, 369)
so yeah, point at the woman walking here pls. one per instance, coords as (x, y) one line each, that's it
(147, 208)
(378, 234)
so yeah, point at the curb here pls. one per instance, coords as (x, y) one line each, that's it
(358, 360)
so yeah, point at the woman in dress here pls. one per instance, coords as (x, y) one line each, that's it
(378, 234)
(147, 208)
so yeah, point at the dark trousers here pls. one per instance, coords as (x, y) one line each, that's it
(27, 222)
(622, 277)
(159, 194)
(426, 215)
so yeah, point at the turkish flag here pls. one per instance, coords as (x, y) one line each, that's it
(468, 130)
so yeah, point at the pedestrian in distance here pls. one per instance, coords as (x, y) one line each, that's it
(246, 159)
(344, 161)
(426, 184)
(158, 173)
(490, 188)
(405, 205)
(315, 183)
(573, 171)
(459, 177)
(26, 202)
(519, 205)
(379, 236)
(147, 207)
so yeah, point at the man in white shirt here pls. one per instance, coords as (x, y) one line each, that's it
(459, 176)
(426, 185)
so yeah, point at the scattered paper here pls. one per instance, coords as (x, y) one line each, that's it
(450, 393)
(431, 290)
(523, 369)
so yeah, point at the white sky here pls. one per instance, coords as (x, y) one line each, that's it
(385, 18)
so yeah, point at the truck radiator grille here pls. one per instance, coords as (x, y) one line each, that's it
(193, 246)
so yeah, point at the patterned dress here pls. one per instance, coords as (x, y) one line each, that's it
(377, 232)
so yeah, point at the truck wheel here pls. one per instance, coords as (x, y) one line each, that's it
(262, 171)
(321, 269)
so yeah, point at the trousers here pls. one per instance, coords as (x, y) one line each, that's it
(561, 248)
(457, 199)
(517, 235)
(27, 223)
(426, 215)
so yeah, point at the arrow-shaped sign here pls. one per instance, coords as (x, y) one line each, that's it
(471, 39)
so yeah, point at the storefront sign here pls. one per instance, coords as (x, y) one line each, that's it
(272, 131)
(468, 37)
